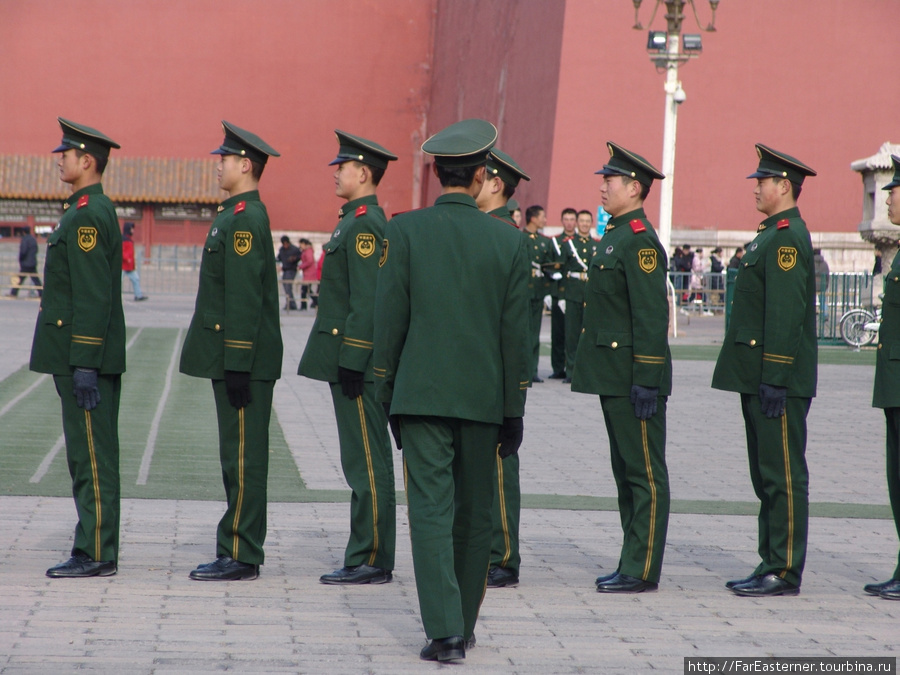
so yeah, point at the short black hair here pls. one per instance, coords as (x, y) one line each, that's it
(377, 174)
(508, 191)
(256, 169)
(285, 239)
(587, 213)
(645, 190)
(566, 211)
(456, 176)
(532, 211)
(99, 162)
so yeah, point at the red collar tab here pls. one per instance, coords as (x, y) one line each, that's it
(240, 206)
(567, 239)
(637, 226)
(783, 223)
(83, 201)
(360, 210)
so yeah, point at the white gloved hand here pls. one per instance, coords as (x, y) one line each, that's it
(548, 302)
(556, 276)
(562, 306)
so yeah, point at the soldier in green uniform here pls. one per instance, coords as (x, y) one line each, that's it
(454, 375)
(769, 357)
(541, 254)
(235, 340)
(80, 340)
(339, 351)
(503, 176)
(555, 269)
(623, 355)
(577, 253)
(887, 381)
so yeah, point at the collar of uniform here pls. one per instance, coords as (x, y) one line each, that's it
(251, 196)
(95, 189)
(456, 198)
(350, 207)
(502, 212)
(792, 212)
(626, 218)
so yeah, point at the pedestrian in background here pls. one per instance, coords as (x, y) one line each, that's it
(28, 250)
(129, 268)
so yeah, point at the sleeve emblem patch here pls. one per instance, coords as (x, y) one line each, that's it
(87, 238)
(384, 251)
(647, 258)
(243, 242)
(787, 257)
(365, 244)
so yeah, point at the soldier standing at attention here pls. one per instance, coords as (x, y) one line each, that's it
(556, 269)
(769, 357)
(540, 250)
(80, 340)
(503, 176)
(623, 355)
(454, 375)
(235, 340)
(887, 381)
(339, 351)
(577, 253)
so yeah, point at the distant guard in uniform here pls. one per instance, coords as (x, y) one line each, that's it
(235, 340)
(555, 270)
(887, 380)
(80, 340)
(623, 355)
(769, 357)
(541, 255)
(577, 253)
(454, 375)
(339, 351)
(503, 176)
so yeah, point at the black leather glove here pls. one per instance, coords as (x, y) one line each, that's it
(85, 388)
(644, 401)
(510, 438)
(394, 423)
(772, 400)
(238, 386)
(351, 382)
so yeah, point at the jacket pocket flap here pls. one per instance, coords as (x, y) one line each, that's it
(749, 337)
(58, 318)
(213, 321)
(331, 326)
(613, 339)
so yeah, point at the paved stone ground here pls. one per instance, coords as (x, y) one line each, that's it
(150, 618)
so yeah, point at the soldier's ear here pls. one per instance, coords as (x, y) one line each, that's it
(364, 174)
(246, 165)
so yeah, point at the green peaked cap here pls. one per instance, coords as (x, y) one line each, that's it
(502, 165)
(244, 144)
(779, 165)
(623, 162)
(462, 144)
(80, 137)
(358, 149)
(896, 181)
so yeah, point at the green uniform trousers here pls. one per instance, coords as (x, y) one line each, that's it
(369, 470)
(505, 514)
(244, 454)
(638, 453)
(558, 328)
(776, 449)
(537, 313)
(92, 452)
(892, 418)
(449, 471)
(574, 323)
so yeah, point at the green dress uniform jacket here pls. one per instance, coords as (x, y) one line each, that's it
(236, 327)
(624, 342)
(559, 338)
(81, 324)
(342, 336)
(577, 252)
(452, 358)
(771, 339)
(540, 250)
(887, 386)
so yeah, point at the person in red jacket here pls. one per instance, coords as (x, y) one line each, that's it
(308, 267)
(128, 266)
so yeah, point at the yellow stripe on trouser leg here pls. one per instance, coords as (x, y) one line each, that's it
(98, 506)
(652, 484)
(365, 437)
(785, 448)
(236, 545)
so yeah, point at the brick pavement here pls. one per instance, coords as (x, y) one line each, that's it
(151, 618)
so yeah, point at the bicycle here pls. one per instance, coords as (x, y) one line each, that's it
(859, 327)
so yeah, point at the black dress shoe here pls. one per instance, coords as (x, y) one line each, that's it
(444, 649)
(498, 577)
(766, 585)
(225, 568)
(737, 582)
(891, 592)
(361, 574)
(470, 642)
(558, 376)
(81, 565)
(536, 379)
(605, 578)
(891, 585)
(622, 583)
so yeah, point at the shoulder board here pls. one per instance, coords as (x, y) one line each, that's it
(361, 210)
(400, 213)
(637, 226)
(82, 201)
(240, 206)
(783, 223)
(505, 222)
